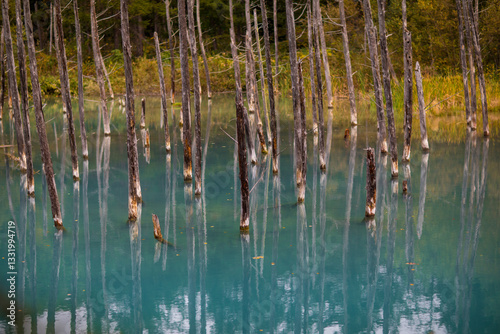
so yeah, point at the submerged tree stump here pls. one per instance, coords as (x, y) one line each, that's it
(371, 184)
(421, 108)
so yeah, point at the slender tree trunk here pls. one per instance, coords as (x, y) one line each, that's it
(83, 133)
(186, 124)
(408, 86)
(321, 33)
(311, 67)
(40, 122)
(294, 69)
(11, 68)
(472, 68)
(387, 88)
(242, 150)
(197, 100)
(371, 184)
(202, 49)
(276, 42)
(2, 74)
(171, 48)
(99, 67)
(303, 125)
(163, 93)
(143, 114)
(319, 99)
(65, 90)
(270, 88)
(463, 62)
(371, 32)
(347, 58)
(51, 27)
(421, 108)
(106, 75)
(23, 77)
(134, 184)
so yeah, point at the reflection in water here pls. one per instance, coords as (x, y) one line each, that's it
(391, 244)
(135, 256)
(54, 282)
(423, 191)
(21, 249)
(409, 226)
(191, 254)
(74, 283)
(86, 233)
(245, 262)
(31, 260)
(62, 173)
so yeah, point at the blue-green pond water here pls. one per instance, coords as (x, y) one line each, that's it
(428, 262)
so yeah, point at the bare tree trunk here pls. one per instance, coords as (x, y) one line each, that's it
(171, 47)
(197, 100)
(202, 49)
(463, 62)
(65, 90)
(408, 86)
(294, 70)
(387, 88)
(276, 51)
(99, 67)
(106, 75)
(318, 19)
(472, 68)
(270, 88)
(2, 74)
(186, 124)
(163, 93)
(40, 122)
(134, 184)
(23, 77)
(83, 133)
(242, 150)
(371, 184)
(303, 135)
(311, 68)
(319, 98)
(11, 68)
(51, 27)
(347, 58)
(143, 114)
(371, 32)
(421, 108)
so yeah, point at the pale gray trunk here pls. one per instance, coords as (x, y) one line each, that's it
(276, 51)
(318, 19)
(311, 68)
(2, 75)
(40, 122)
(163, 91)
(408, 86)
(202, 49)
(106, 75)
(472, 68)
(81, 110)
(347, 58)
(421, 108)
(171, 48)
(463, 62)
(319, 98)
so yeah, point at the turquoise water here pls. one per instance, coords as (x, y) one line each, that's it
(429, 261)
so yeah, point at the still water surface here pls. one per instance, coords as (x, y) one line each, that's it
(429, 261)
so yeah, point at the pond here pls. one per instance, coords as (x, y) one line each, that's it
(428, 262)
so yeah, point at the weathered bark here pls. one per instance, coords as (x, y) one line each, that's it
(65, 90)
(387, 88)
(270, 88)
(106, 75)
(276, 42)
(134, 184)
(186, 124)
(294, 71)
(2, 74)
(40, 123)
(143, 114)
(319, 98)
(303, 128)
(318, 19)
(171, 48)
(197, 100)
(371, 184)
(51, 27)
(11, 68)
(23, 77)
(99, 67)
(408, 87)
(202, 49)
(240, 131)
(421, 108)
(157, 229)
(163, 91)
(310, 43)
(81, 110)
(371, 32)
(463, 61)
(472, 68)
(347, 58)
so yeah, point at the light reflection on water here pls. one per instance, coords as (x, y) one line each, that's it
(427, 261)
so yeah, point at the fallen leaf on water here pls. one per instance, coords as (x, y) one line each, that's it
(257, 257)
(412, 263)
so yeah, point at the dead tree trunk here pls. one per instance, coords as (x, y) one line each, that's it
(463, 61)
(143, 114)
(387, 88)
(270, 88)
(303, 135)
(371, 184)
(408, 87)
(318, 19)
(65, 90)
(319, 98)
(81, 110)
(371, 32)
(202, 49)
(2, 74)
(276, 51)
(294, 70)
(421, 108)
(186, 124)
(311, 68)
(99, 67)
(472, 68)
(171, 48)
(134, 184)
(163, 93)
(347, 58)
(197, 100)
(51, 27)
(240, 130)
(23, 77)
(40, 122)
(11, 68)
